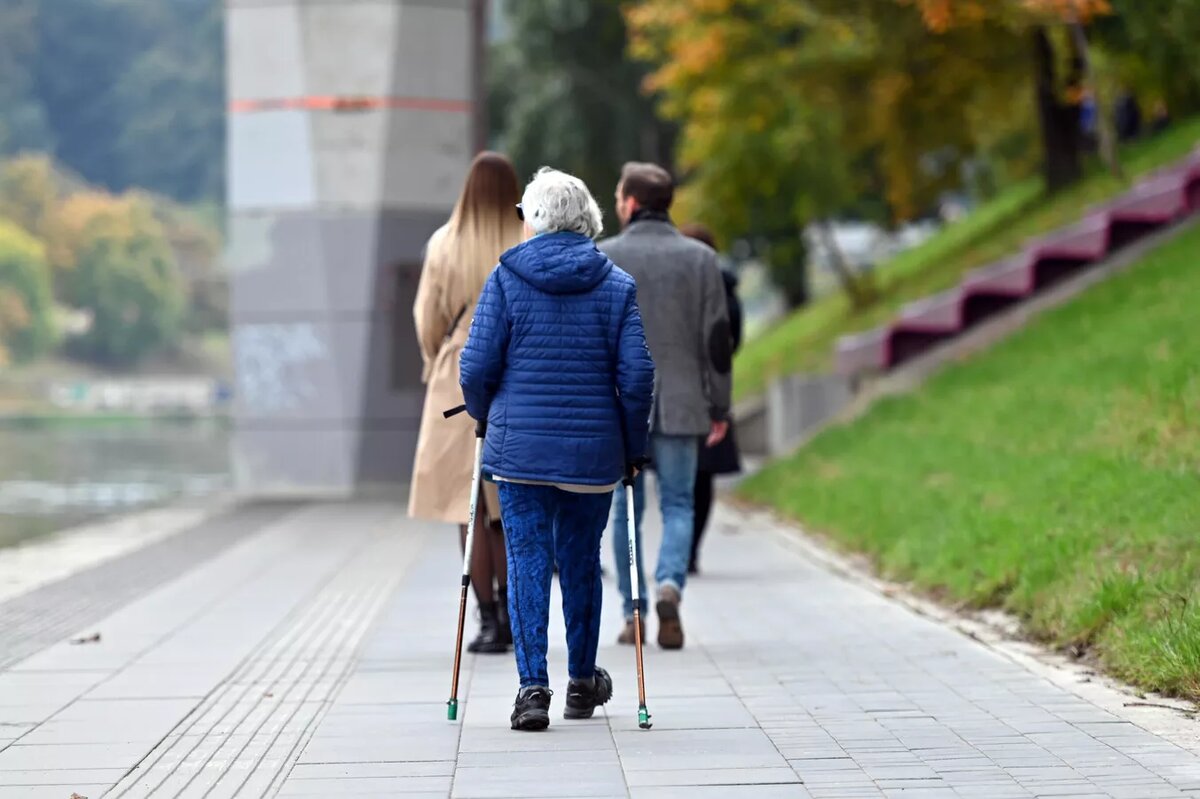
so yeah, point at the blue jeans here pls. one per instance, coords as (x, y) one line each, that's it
(542, 525)
(675, 462)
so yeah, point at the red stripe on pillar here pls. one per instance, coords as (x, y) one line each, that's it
(348, 103)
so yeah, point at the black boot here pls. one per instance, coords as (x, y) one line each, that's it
(502, 619)
(531, 711)
(488, 641)
(584, 696)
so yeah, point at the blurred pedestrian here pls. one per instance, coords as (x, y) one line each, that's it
(1127, 117)
(1089, 119)
(557, 363)
(687, 327)
(458, 260)
(723, 458)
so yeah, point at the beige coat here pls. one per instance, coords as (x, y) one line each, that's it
(441, 484)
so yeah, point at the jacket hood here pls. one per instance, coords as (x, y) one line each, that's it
(558, 263)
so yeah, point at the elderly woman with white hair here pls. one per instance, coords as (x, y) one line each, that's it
(557, 364)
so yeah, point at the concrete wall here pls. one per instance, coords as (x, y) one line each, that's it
(793, 409)
(328, 213)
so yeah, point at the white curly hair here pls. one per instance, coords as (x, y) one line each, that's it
(555, 201)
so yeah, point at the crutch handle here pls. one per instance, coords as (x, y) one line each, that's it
(632, 468)
(480, 424)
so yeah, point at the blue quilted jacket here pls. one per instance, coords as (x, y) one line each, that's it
(558, 364)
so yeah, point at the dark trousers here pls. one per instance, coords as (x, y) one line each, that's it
(544, 525)
(704, 500)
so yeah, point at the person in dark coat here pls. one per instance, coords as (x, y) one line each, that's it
(557, 363)
(723, 458)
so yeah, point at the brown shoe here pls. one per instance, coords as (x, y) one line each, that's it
(670, 628)
(627, 634)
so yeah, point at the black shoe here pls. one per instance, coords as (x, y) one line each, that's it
(489, 641)
(503, 622)
(584, 696)
(531, 711)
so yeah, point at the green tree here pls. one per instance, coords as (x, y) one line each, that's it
(563, 93)
(128, 279)
(23, 123)
(174, 142)
(124, 92)
(1153, 44)
(26, 299)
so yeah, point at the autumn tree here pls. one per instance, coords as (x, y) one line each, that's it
(797, 112)
(1057, 90)
(69, 234)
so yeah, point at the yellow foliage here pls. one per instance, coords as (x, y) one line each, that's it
(14, 314)
(68, 231)
(896, 90)
(942, 15)
(1070, 10)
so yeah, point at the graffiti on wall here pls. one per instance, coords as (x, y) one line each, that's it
(268, 358)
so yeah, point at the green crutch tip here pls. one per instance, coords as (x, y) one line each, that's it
(452, 710)
(644, 718)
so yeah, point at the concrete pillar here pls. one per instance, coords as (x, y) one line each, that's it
(350, 129)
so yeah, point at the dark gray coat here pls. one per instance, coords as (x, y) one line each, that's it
(682, 296)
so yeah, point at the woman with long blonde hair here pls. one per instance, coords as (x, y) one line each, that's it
(459, 259)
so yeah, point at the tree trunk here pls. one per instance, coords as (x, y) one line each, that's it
(1059, 121)
(858, 287)
(1108, 140)
(787, 263)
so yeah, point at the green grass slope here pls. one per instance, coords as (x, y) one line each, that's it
(805, 340)
(1056, 475)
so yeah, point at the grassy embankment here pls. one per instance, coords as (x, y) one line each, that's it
(1056, 475)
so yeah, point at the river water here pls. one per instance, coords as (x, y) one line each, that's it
(57, 476)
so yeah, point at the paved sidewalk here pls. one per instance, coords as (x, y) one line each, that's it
(310, 658)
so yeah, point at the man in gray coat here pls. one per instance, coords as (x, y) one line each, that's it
(682, 297)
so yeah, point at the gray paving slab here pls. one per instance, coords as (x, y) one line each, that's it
(294, 662)
(34, 620)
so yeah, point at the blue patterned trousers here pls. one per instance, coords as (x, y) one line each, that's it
(542, 525)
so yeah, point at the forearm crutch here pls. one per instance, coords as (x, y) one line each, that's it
(468, 548)
(643, 713)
